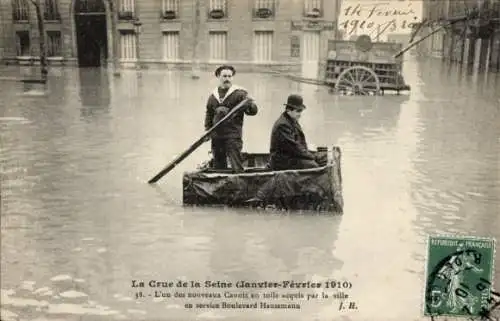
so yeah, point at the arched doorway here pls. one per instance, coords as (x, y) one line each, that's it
(91, 32)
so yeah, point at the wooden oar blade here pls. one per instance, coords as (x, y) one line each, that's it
(176, 161)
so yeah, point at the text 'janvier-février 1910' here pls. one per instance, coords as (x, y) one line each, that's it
(285, 294)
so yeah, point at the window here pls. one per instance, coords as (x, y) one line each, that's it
(51, 11)
(217, 9)
(89, 6)
(170, 9)
(20, 10)
(313, 8)
(217, 45)
(127, 45)
(264, 4)
(295, 46)
(127, 9)
(437, 43)
(218, 5)
(263, 46)
(171, 46)
(54, 44)
(23, 43)
(264, 8)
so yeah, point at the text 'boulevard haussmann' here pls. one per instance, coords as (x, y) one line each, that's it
(260, 305)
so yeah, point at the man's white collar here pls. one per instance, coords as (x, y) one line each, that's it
(229, 92)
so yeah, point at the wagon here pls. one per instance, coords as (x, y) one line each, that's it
(363, 67)
(317, 189)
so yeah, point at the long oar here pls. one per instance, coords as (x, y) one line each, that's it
(197, 144)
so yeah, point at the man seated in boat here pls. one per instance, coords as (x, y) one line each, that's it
(288, 143)
(227, 138)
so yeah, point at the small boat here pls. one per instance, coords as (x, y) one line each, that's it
(315, 189)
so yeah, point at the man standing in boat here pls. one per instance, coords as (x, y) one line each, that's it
(227, 139)
(288, 143)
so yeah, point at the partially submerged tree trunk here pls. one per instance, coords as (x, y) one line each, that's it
(195, 68)
(41, 30)
(116, 41)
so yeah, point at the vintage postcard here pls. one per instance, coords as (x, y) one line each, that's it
(177, 160)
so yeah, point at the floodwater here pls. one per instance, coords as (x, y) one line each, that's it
(79, 221)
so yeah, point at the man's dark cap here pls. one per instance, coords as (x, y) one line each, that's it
(295, 102)
(221, 68)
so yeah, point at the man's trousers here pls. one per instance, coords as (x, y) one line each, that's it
(224, 148)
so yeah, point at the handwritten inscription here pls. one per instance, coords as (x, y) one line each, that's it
(382, 17)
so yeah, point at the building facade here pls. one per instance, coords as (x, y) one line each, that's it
(463, 43)
(170, 33)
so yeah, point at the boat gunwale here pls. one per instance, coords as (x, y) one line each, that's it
(211, 173)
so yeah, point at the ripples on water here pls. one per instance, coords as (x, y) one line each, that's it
(79, 222)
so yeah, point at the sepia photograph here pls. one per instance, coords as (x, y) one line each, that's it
(257, 160)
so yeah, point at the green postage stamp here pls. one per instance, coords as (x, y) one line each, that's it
(459, 275)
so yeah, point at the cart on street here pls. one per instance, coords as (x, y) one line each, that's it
(363, 67)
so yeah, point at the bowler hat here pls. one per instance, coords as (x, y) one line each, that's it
(295, 102)
(221, 68)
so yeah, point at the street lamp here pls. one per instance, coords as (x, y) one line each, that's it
(137, 29)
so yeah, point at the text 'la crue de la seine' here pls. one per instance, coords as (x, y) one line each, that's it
(287, 284)
(241, 291)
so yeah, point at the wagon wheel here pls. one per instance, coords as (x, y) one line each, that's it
(358, 80)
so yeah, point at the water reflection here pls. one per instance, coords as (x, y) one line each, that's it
(172, 85)
(259, 90)
(458, 142)
(274, 247)
(59, 78)
(94, 91)
(310, 69)
(485, 81)
(362, 118)
(446, 75)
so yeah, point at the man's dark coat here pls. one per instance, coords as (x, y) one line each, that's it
(288, 145)
(227, 138)
(232, 128)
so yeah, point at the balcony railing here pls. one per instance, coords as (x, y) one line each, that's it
(126, 15)
(263, 13)
(217, 9)
(313, 13)
(217, 14)
(169, 14)
(170, 9)
(264, 9)
(313, 8)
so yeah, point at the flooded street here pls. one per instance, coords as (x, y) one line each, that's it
(79, 222)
